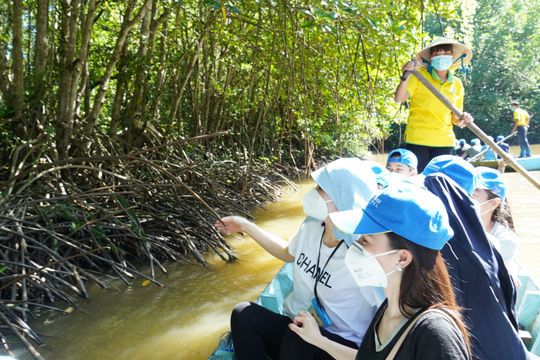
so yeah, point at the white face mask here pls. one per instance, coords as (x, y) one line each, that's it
(364, 267)
(478, 207)
(315, 205)
(397, 176)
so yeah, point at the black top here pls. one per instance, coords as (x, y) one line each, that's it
(434, 336)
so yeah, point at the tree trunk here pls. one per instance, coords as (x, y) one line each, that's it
(5, 82)
(134, 114)
(127, 25)
(116, 114)
(188, 71)
(19, 125)
(40, 71)
(82, 63)
(160, 83)
(67, 47)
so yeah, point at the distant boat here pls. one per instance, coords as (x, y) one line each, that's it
(527, 304)
(531, 163)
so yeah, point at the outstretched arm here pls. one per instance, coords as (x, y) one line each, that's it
(275, 245)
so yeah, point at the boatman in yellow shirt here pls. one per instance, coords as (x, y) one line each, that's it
(521, 124)
(429, 132)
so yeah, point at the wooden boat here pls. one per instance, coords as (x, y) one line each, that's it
(531, 163)
(528, 310)
(271, 298)
(527, 305)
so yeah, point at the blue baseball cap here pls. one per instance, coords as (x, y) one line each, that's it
(499, 138)
(475, 141)
(491, 179)
(406, 157)
(462, 142)
(404, 208)
(381, 173)
(457, 169)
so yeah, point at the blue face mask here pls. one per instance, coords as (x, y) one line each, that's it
(442, 62)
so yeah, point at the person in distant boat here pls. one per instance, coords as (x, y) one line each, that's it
(461, 148)
(429, 130)
(489, 154)
(321, 280)
(403, 229)
(403, 162)
(474, 150)
(496, 216)
(521, 124)
(504, 146)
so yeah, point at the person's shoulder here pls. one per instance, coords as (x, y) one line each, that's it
(457, 81)
(438, 336)
(503, 232)
(435, 323)
(424, 71)
(310, 226)
(312, 222)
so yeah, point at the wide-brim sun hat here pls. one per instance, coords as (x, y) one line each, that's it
(459, 50)
(404, 208)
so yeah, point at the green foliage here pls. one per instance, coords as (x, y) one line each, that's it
(506, 63)
(277, 75)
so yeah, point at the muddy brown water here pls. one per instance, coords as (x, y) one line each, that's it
(185, 319)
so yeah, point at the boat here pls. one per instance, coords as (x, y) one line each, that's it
(528, 313)
(530, 163)
(272, 298)
(527, 305)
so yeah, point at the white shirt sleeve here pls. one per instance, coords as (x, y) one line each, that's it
(508, 245)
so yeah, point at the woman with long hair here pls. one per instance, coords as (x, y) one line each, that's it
(496, 216)
(403, 229)
(320, 278)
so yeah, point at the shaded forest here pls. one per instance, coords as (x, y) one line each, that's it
(128, 127)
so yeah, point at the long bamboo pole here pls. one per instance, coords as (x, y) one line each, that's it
(477, 131)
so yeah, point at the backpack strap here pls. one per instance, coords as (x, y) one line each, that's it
(392, 354)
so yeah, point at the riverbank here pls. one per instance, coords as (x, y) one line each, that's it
(128, 216)
(182, 320)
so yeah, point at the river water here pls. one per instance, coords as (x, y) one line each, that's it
(185, 319)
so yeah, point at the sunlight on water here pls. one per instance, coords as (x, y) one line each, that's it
(185, 319)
